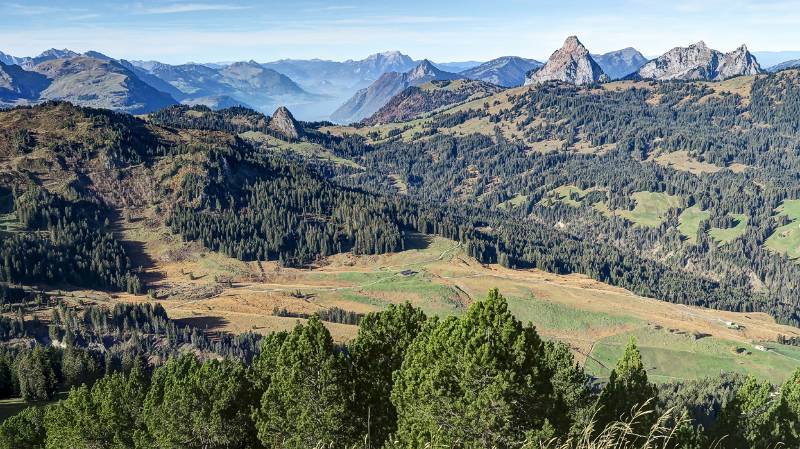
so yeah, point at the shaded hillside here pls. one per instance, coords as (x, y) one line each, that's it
(18, 84)
(367, 101)
(428, 97)
(508, 71)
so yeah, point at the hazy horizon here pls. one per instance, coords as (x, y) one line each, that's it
(205, 31)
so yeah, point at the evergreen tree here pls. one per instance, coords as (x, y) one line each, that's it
(307, 402)
(25, 430)
(627, 390)
(475, 381)
(377, 353)
(193, 405)
(37, 378)
(106, 416)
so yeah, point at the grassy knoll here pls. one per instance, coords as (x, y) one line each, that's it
(681, 160)
(786, 239)
(651, 208)
(669, 356)
(517, 201)
(727, 235)
(570, 195)
(690, 220)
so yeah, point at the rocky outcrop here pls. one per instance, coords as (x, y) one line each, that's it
(507, 71)
(572, 64)
(699, 62)
(283, 121)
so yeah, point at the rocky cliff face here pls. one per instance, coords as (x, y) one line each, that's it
(699, 62)
(738, 62)
(283, 122)
(572, 64)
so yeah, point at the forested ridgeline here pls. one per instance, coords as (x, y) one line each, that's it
(628, 129)
(254, 204)
(482, 380)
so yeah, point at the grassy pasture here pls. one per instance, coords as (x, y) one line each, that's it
(651, 208)
(690, 220)
(786, 239)
(727, 235)
(514, 202)
(669, 356)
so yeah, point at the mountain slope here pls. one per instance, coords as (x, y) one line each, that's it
(416, 100)
(16, 83)
(794, 63)
(506, 71)
(620, 63)
(105, 84)
(245, 82)
(571, 64)
(699, 62)
(367, 101)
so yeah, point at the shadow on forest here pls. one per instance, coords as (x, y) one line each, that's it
(203, 322)
(417, 241)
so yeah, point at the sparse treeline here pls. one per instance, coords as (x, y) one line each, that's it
(482, 380)
(79, 346)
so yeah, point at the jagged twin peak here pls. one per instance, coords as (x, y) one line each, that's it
(698, 62)
(572, 64)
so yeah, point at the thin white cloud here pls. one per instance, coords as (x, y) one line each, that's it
(331, 8)
(402, 20)
(177, 8)
(80, 17)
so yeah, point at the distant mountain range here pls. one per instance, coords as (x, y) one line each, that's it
(367, 101)
(785, 65)
(621, 63)
(343, 91)
(80, 80)
(507, 71)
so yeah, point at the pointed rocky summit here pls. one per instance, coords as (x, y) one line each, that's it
(283, 122)
(572, 64)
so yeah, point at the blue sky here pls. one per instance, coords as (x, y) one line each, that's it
(210, 30)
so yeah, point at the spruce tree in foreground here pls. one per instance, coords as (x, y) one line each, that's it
(627, 389)
(475, 381)
(377, 352)
(307, 402)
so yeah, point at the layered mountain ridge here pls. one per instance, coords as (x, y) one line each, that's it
(699, 62)
(369, 100)
(506, 71)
